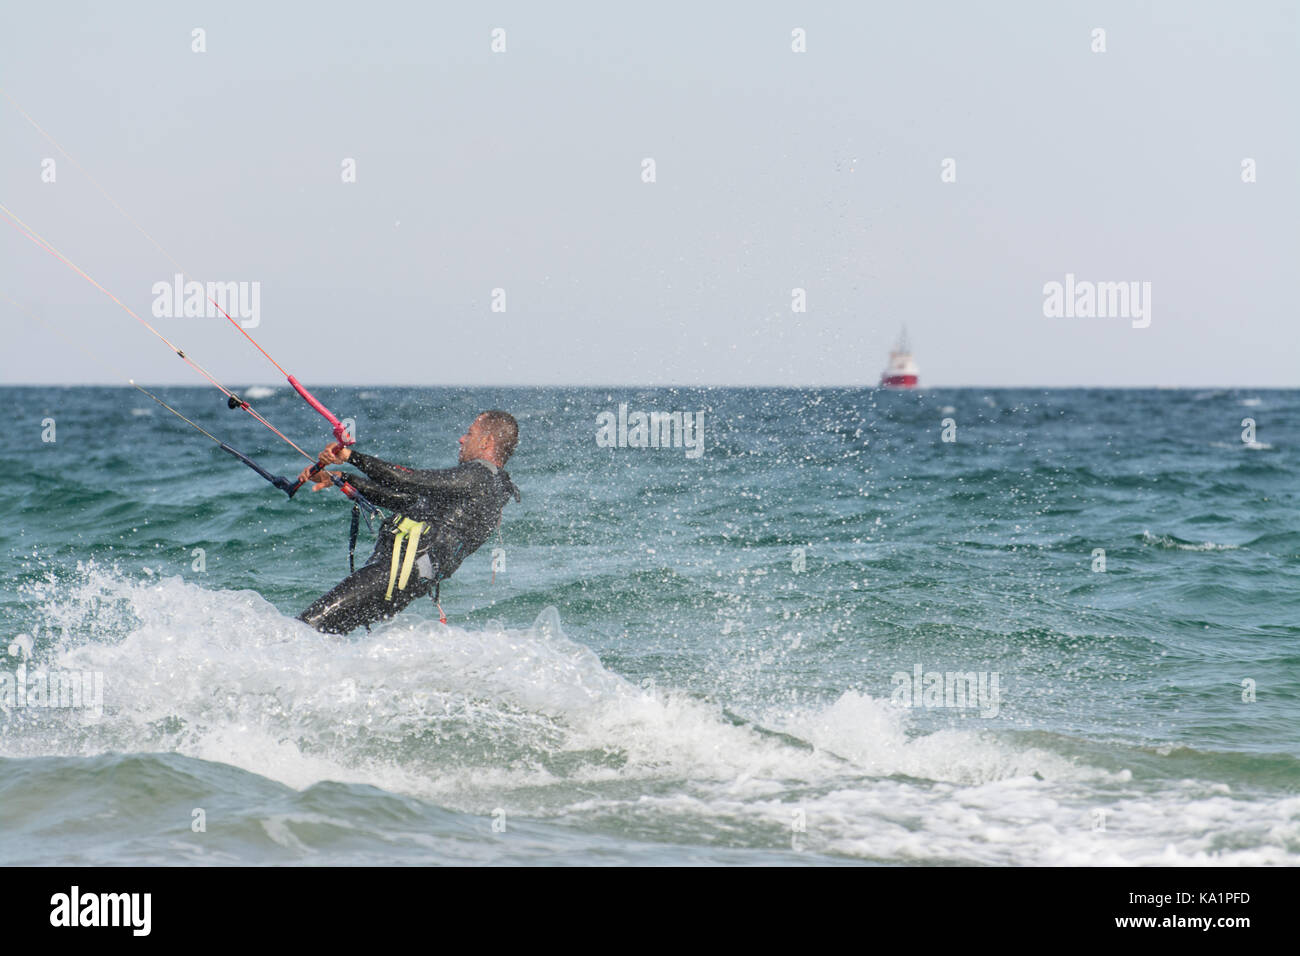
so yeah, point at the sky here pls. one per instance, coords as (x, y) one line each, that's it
(524, 170)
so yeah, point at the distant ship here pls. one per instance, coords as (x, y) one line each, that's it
(901, 372)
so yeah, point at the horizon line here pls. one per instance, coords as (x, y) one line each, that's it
(678, 385)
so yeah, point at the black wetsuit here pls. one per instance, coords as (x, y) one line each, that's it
(461, 505)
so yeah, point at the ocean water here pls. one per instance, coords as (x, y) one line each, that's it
(680, 659)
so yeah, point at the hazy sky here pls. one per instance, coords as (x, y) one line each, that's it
(775, 170)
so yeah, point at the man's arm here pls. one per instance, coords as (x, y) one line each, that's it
(434, 483)
(383, 495)
(377, 494)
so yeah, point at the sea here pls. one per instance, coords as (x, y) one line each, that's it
(940, 627)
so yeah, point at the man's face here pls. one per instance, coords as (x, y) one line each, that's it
(476, 442)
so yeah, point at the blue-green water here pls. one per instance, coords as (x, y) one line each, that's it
(683, 660)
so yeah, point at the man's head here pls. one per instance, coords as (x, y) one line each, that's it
(493, 436)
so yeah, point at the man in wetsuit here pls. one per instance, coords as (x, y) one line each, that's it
(440, 517)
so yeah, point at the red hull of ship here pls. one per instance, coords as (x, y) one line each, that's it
(898, 381)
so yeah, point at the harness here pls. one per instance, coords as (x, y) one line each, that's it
(406, 533)
(406, 542)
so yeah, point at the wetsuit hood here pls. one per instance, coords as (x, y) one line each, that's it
(500, 473)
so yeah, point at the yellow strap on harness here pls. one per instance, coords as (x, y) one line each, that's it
(408, 531)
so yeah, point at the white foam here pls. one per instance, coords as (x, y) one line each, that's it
(528, 720)
(1165, 541)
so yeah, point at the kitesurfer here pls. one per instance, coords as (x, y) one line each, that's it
(440, 517)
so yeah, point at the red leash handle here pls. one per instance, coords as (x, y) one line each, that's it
(344, 486)
(311, 475)
(339, 431)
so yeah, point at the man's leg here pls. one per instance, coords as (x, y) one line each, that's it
(359, 599)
